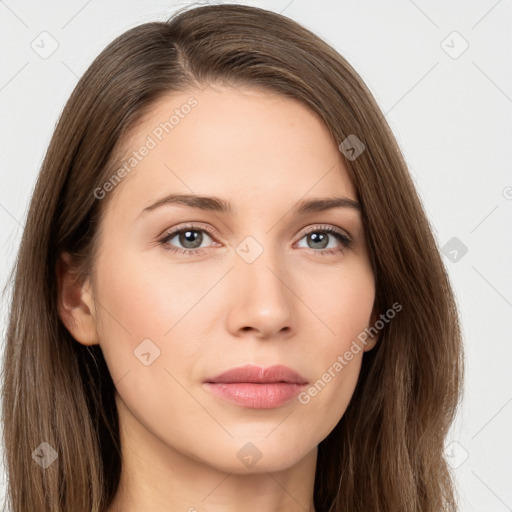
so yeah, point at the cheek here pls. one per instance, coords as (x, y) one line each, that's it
(148, 334)
(148, 300)
(345, 310)
(135, 310)
(342, 301)
(155, 312)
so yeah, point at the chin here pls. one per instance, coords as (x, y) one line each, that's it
(261, 455)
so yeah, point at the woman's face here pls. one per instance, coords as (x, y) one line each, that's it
(260, 284)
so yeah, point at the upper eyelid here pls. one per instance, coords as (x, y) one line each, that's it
(194, 227)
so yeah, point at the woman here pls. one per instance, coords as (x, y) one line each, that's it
(227, 293)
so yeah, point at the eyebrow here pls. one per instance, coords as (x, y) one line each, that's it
(215, 204)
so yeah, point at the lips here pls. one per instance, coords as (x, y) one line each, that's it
(255, 387)
(258, 375)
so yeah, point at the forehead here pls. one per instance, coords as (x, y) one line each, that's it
(251, 145)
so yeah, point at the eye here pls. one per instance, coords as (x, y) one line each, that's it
(190, 237)
(319, 239)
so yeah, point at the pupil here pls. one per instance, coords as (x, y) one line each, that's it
(193, 237)
(319, 239)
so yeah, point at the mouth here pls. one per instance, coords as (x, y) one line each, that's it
(255, 387)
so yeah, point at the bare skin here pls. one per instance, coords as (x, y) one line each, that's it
(295, 304)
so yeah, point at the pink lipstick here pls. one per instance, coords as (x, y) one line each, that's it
(255, 387)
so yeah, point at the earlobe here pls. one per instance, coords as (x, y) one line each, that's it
(371, 341)
(75, 302)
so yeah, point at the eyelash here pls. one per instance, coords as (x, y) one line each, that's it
(341, 237)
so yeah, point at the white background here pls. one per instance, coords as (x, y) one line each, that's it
(451, 116)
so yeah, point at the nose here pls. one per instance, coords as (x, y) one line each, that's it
(261, 299)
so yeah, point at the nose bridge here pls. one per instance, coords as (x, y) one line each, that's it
(263, 299)
(260, 266)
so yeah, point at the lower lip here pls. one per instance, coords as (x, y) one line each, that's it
(255, 396)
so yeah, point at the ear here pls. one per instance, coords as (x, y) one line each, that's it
(372, 339)
(75, 302)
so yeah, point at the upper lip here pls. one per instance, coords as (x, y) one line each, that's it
(257, 374)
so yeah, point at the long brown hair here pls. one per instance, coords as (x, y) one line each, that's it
(387, 451)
